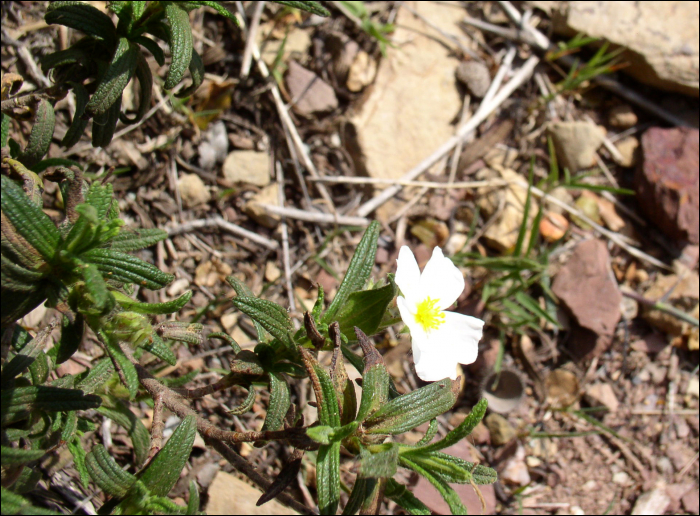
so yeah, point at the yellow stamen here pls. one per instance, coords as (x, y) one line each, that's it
(428, 315)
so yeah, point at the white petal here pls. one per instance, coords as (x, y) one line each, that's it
(458, 337)
(441, 279)
(408, 274)
(408, 316)
(431, 367)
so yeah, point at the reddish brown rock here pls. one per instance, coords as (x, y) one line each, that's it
(309, 92)
(667, 181)
(587, 289)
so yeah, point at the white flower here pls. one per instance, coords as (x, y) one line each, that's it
(441, 339)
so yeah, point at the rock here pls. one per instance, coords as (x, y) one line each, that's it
(681, 291)
(562, 388)
(177, 287)
(310, 94)
(272, 272)
(253, 208)
(653, 502)
(247, 166)
(693, 388)
(455, 243)
(193, 191)
(628, 151)
(515, 470)
(621, 478)
(652, 343)
(297, 44)
(214, 146)
(608, 213)
(503, 233)
(413, 103)
(229, 321)
(362, 72)
(602, 394)
(586, 288)
(691, 502)
(667, 181)
(229, 495)
(425, 491)
(576, 143)
(561, 194)
(622, 116)
(500, 429)
(661, 40)
(475, 76)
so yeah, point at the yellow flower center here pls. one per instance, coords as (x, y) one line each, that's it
(428, 315)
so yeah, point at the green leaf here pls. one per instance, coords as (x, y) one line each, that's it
(526, 212)
(79, 455)
(375, 379)
(40, 137)
(13, 503)
(361, 492)
(321, 433)
(180, 34)
(159, 348)
(358, 272)
(230, 340)
(530, 304)
(243, 290)
(18, 402)
(326, 400)
(4, 130)
(312, 7)
(193, 502)
(128, 370)
(100, 197)
(125, 268)
(399, 494)
(98, 374)
(196, 68)
(95, 286)
(168, 307)
(280, 401)
(117, 76)
(25, 357)
(135, 239)
(54, 162)
(82, 17)
(380, 461)
(78, 124)
(365, 309)
(106, 473)
(220, 9)
(450, 496)
(464, 429)
(16, 456)
(164, 470)
(104, 124)
(451, 469)
(152, 47)
(124, 417)
(328, 478)
(411, 410)
(145, 78)
(269, 315)
(30, 222)
(429, 433)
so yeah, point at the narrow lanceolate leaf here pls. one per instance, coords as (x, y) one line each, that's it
(78, 124)
(71, 337)
(197, 72)
(361, 491)
(180, 34)
(380, 462)
(4, 129)
(358, 271)
(164, 470)
(15, 456)
(328, 478)
(193, 502)
(271, 316)
(365, 309)
(98, 374)
(145, 78)
(328, 413)
(399, 494)
(344, 390)
(220, 9)
(79, 455)
(100, 197)
(115, 78)
(106, 473)
(410, 410)
(40, 137)
(279, 402)
(18, 279)
(152, 47)
(450, 496)
(125, 268)
(29, 221)
(464, 429)
(95, 286)
(82, 17)
(312, 7)
(168, 307)
(453, 469)
(159, 348)
(375, 379)
(18, 402)
(25, 356)
(122, 415)
(243, 290)
(104, 124)
(127, 368)
(133, 240)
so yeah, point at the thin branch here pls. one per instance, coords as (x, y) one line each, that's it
(250, 39)
(285, 239)
(226, 226)
(311, 216)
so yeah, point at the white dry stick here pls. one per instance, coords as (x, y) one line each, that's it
(356, 180)
(285, 238)
(503, 70)
(542, 42)
(250, 39)
(311, 216)
(484, 111)
(463, 117)
(226, 226)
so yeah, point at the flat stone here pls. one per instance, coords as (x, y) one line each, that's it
(193, 191)
(602, 394)
(475, 76)
(661, 40)
(622, 116)
(247, 166)
(628, 151)
(297, 44)
(411, 109)
(576, 143)
(653, 502)
(229, 495)
(310, 94)
(690, 501)
(500, 430)
(667, 181)
(253, 208)
(362, 72)
(585, 287)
